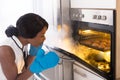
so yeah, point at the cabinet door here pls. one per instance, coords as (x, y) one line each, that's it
(106, 4)
(83, 74)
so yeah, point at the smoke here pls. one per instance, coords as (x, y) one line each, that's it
(65, 39)
(62, 38)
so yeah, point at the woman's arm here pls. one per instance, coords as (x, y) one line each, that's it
(7, 60)
(40, 63)
(30, 60)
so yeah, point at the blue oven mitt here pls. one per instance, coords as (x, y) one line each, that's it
(33, 50)
(40, 64)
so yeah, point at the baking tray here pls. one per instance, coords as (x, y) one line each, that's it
(102, 44)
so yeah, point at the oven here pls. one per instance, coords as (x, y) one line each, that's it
(93, 33)
(90, 42)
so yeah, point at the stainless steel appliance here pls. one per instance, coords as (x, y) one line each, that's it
(94, 37)
(93, 44)
(87, 35)
(90, 43)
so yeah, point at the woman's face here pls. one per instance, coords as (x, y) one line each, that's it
(39, 38)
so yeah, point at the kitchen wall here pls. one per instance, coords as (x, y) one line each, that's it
(10, 11)
(48, 9)
(45, 9)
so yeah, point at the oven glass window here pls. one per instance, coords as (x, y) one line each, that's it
(94, 48)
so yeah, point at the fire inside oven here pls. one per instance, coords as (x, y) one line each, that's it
(93, 46)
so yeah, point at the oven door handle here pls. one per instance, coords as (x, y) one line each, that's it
(69, 59)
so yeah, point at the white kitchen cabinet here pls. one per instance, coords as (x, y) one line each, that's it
(82, 73)
(106, 4)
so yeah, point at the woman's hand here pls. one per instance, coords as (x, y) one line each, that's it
(33, 50)
(44, 62)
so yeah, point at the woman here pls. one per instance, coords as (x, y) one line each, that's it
(15, 61)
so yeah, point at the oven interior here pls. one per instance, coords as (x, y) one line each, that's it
(92, 45)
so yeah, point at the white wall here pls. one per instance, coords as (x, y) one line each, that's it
(45, 9)
(48, 10)
(10, 11)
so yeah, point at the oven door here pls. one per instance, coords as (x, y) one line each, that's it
(94, 47)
